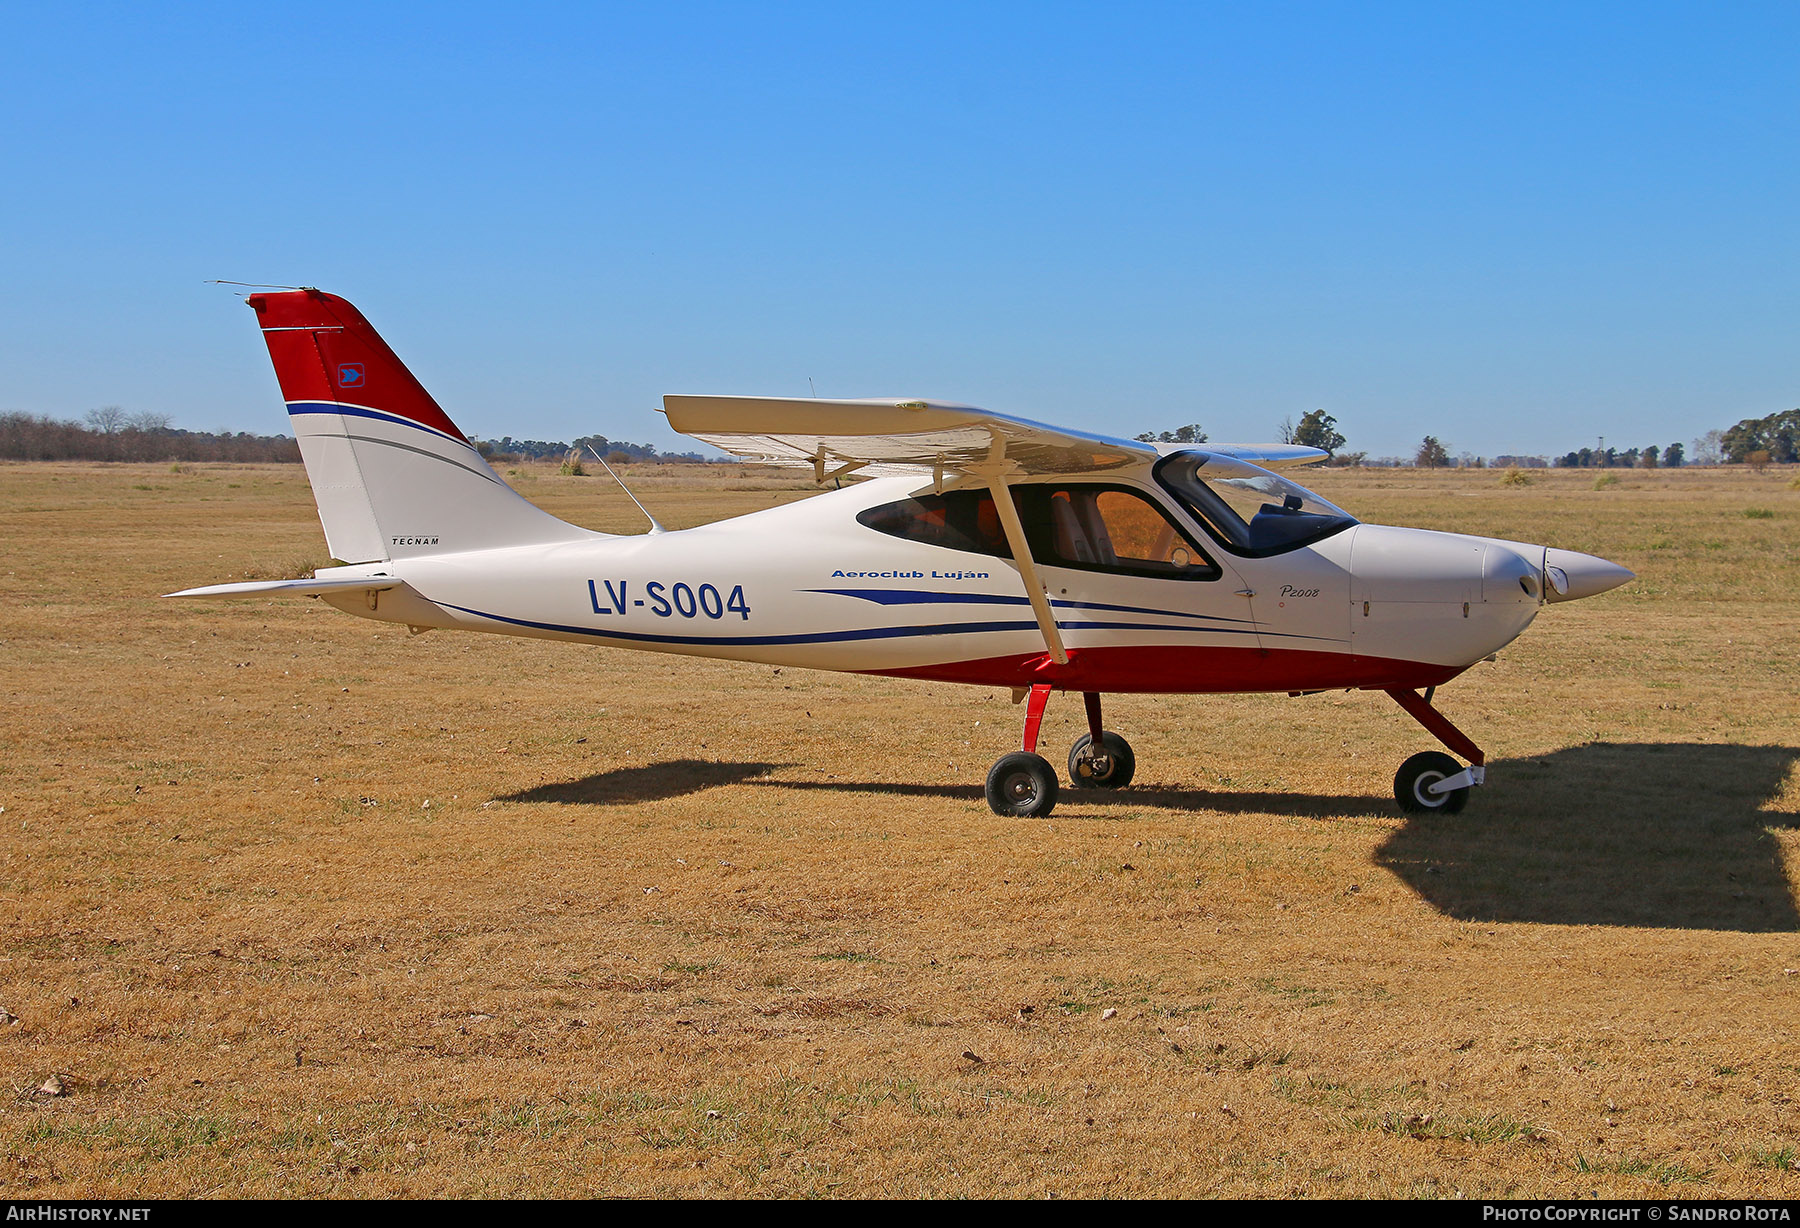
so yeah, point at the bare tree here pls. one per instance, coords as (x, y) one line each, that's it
(107, 419)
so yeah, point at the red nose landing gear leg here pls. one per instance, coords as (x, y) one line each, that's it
(1432, 782)
(1023, 784)
(1100, 758)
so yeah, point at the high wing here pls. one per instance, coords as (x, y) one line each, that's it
(890, 438)
(897, 438)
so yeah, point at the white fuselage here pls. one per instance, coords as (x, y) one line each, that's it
(807, 585)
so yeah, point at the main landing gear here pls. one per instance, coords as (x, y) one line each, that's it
(1100, 758)
(1024, 785)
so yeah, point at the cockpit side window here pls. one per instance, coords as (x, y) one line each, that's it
(963, 520)
(1086, 527)
(1249, 511)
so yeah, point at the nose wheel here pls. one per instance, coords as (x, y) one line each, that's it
(1425, 784)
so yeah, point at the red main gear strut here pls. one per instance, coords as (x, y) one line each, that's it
(1034, 714)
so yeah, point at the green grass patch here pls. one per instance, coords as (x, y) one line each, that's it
(1486, 1129)
(1664, 1173)
(1777, 1159)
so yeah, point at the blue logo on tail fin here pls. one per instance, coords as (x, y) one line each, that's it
(350, 375)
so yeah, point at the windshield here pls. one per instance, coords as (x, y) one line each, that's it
(1247, 508)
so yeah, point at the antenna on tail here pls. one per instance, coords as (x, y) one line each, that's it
(655, 527)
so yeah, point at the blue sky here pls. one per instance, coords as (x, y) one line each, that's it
(1513, 226)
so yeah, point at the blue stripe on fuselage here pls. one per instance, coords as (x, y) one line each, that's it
(833, 637)
(907, 596)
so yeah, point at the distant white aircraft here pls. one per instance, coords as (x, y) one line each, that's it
(989, 550)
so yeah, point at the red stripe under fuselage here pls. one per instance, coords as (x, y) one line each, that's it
(1187, 670)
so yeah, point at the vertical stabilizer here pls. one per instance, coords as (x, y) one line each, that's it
(392, 475)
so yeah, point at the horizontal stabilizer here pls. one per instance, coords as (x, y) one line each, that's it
(316, 587)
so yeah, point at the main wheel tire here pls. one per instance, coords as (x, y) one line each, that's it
(1021, 785)
(1112, 768)
(1413, 781)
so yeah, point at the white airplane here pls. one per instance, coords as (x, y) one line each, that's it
(988, 550)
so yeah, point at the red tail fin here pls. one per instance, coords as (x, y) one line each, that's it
(392, 475)
(324, 351)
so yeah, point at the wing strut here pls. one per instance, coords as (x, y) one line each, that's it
(996, 471)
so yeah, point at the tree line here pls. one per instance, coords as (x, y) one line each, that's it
(1774, 438)
(110, 434)
(615, 451)
(1754, 441)
(1672, 457)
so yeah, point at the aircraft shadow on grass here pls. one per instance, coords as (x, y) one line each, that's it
(1085, 805)
(1671, 835)
(650, 782)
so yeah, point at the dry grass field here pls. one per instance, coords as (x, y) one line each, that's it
(297, 905)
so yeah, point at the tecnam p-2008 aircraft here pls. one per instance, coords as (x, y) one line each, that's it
(987, 549)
